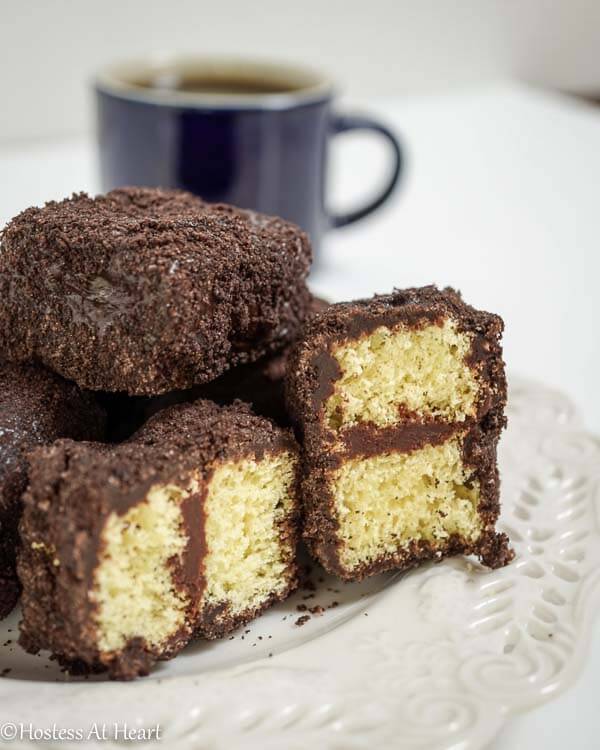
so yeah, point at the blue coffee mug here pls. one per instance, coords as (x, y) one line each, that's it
(247, 133)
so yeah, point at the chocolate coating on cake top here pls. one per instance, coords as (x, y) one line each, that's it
(36, 408)
(210, 432)
(146, 290)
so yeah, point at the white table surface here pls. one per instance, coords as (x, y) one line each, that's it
(500, 199)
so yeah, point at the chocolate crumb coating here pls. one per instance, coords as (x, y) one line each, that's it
(75, 487)
(260, 384)
(147, 291)
(214, 432)
(312, 373)
(36, 408)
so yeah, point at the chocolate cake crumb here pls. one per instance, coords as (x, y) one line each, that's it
(302, 620)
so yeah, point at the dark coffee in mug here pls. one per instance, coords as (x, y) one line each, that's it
(242, 132)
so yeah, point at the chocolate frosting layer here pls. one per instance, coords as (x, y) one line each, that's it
(364, 440)
(147, 291)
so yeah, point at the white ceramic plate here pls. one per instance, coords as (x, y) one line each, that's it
(438, 658)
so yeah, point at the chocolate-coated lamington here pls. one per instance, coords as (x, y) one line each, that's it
(189, 529)
(147, 291)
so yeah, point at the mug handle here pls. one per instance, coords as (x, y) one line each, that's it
(344, 123)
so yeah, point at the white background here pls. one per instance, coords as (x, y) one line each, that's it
(50, 48)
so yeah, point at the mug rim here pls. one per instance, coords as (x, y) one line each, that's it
(313, 87)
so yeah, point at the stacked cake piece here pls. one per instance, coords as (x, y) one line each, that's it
(148, 291)
(400, 402)
(156, 506)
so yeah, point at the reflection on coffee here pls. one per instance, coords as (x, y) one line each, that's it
(207, 84)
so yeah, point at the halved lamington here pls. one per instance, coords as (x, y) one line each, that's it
(250, 510)
(400, 403)
(130, 551)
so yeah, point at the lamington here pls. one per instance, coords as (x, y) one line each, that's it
(129, 551)
(36, 408)
(399, 401)
(147, 291)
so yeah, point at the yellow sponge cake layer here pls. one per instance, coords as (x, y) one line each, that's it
(247, 505)
(383, 503)
(250, 509)
(136, 550)
(109, 561)
(398, 371)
